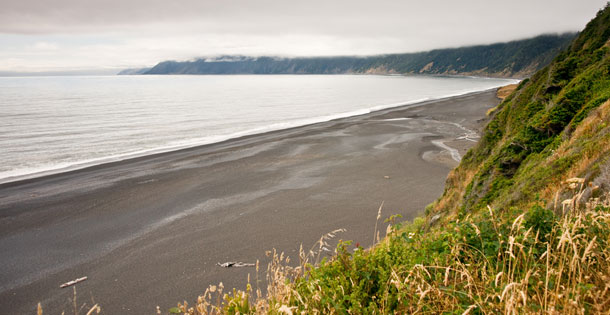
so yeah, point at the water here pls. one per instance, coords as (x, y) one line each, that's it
(54, 124)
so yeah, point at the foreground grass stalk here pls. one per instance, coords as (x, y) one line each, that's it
(511, 262)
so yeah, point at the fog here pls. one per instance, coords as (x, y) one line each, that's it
(61, 35)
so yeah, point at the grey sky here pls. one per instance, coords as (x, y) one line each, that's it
(46, 35)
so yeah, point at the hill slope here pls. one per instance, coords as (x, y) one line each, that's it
(513, 59)
(530, 142)
(522, 227)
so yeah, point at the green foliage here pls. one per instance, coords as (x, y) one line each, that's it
(429, 208)
(494, 250)
(565, 71)
(358, 282)
(584, 111)
(541, 220)
(536, 119)
(239, 303)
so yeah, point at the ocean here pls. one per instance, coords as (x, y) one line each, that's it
(55, 124)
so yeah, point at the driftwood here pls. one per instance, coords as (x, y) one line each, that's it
(230, 264)
(73, 282)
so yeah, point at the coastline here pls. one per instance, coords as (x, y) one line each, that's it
(152, 228)
(81, 165)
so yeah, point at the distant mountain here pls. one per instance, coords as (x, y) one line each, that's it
(515, 59)
(133, 71)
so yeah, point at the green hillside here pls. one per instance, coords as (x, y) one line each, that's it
(523, 226)
(512, 59)
(530, 143)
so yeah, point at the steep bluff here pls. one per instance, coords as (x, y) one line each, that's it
(516, 59)
(553, 127)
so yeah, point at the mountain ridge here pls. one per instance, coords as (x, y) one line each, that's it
(514, 59)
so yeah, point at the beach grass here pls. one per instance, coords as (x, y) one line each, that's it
(511, 262)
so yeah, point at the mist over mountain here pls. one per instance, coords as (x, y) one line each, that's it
(515, 59)
(133, 71)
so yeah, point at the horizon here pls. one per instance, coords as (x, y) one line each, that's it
(70, 36)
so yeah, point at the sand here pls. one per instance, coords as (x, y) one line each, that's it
(150, 231)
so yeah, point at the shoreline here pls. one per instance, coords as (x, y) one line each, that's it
(153, 228)
(102, 161)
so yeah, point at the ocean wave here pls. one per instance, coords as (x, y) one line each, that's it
(21, 173)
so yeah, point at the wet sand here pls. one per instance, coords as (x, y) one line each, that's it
(149, 231)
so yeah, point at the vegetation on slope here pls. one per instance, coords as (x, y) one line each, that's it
(522, 227)
(530, 144)
(513, 59)
(486, 262)
(492, 263)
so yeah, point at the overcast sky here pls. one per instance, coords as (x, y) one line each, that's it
(61, 35)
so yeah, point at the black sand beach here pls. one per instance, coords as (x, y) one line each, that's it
(149, 231)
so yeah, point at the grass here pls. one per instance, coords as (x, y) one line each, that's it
(95, 309)
(511, 262)
(502, 94)
(517, 158)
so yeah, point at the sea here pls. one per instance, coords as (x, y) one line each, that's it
(60, 123)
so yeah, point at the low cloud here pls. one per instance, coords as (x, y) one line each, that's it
(118, 33)
(44, 46)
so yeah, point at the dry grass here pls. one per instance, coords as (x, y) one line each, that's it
(76, 310)
(599, 147)
(502, 94)
(572, 275)
(279, 274)
(506, 90)
(566, 271)
(455, 187)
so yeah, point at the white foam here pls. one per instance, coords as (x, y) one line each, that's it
(43, 170)
(455, 155)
